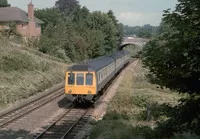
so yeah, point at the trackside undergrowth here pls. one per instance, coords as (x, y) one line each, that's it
(24, 73)
(136, 110)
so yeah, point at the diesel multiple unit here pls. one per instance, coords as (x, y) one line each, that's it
(84, 81)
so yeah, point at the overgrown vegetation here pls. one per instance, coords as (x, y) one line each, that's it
(138, 110)
(146, 31)
(134, 50)
(174, 62)
(77, 34)
(4, 3)
(25, 73)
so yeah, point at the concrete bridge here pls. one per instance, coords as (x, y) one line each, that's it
(133, 41)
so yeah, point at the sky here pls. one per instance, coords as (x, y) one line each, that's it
(128, 12)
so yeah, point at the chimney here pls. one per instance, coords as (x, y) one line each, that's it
(31, 11)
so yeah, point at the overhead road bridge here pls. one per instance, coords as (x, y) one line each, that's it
(133, 41)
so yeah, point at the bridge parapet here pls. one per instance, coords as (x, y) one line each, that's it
(133, 40)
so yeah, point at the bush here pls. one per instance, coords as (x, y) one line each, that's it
(24, 72)
(173, 61)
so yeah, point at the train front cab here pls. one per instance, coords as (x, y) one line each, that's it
(80, 86)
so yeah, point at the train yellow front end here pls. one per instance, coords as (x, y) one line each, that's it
(80, 85)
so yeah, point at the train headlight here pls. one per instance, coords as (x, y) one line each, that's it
(70, 91)
(89, 92)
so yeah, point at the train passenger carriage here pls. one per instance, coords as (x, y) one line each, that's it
(84, 81)
(80, 80)
(119, 60)
(126, 56)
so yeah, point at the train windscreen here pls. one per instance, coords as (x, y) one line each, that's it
(80, 79)
(71, 78)
(89, 79)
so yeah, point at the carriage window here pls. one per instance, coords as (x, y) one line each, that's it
(71, 77)
(101, 75)
(80, 79)
(89, 79)
(98, 77)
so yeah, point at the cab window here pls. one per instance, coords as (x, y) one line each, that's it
(71, 77)
(80, 79)
(89, 79)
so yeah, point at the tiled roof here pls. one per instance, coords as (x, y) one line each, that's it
(10, 14)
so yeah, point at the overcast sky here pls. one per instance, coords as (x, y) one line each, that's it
(128, 12)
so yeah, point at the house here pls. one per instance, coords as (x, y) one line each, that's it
(26, 24)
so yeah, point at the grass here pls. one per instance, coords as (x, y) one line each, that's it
(136, 109)
(25, 73)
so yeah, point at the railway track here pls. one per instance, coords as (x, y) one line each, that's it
(70, 122)
(66, 126)
(24, 110)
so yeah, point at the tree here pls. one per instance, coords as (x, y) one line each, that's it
(76, 33)
(174, 61)
(59, 41)
(112, 16)
(79, 17)
(96, 41)
(119, 27)
(146, 31)
(49, 16)
(144, 34)
(101, 21)
(4, 3)
(67, 6)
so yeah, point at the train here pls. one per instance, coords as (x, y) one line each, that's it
(85, 81)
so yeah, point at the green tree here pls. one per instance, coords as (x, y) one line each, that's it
(67, 5)
(144, 34)
(49, 16)
(101, 21)
(112, 16)
(58, 41)
(96, 41)
(79, 18)
(119, 27)
(146, 31)
(174, 62)
(4, 3)
(78, 34)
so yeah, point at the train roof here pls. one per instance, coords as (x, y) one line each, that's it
(98, 63)
(93, 65)
(117, 55)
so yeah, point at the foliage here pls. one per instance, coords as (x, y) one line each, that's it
(174, 62)
(146, 31)
(134, 50)
(119, 26)
(95, 39)
(78, 34)
(185, 117)
(101, 21)
(11, 31)
(4, 3)
(128, 115)
(67, 6)
(25, 73)
(48, 16)
(56, 39)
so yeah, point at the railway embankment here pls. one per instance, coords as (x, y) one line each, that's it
(136, 109)
(25, 72)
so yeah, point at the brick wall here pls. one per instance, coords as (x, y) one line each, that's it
(22, 29)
